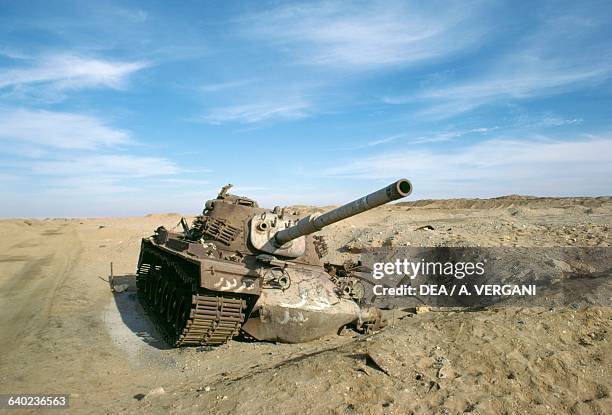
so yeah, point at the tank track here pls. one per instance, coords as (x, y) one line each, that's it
(183, 313)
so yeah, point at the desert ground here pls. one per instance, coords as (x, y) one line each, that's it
(64, 331)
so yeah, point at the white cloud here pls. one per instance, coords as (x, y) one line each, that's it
(259, 112)
(353, 37)
(58, 129)
(122, 166)
(514, 77)
(222, 86)
(68, 71)
(132, 15)
(430, 138)
(13, 53)
(557, 57)
(92, 178)
(495, 167)
(544, 120)
(384, 140)
(518, 77)
(74, 164)
(363, 35)
(559, 122)
(189, 182)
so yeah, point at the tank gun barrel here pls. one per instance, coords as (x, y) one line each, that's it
(313, 223)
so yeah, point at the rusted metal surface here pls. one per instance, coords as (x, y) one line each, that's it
(309, 308)
(242, 267)
(229, 277)
(205, 318)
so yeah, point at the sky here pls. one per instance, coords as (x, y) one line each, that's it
(133, 107)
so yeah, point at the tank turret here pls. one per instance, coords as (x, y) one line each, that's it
(274, 234)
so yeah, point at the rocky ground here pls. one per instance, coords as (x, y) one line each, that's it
(63, 331)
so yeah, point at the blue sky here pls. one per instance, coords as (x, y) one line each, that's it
(127, 108)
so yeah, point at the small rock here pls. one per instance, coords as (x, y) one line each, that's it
(441, 361)
(443, 373)
(423, 309)
(155, 392)
(354, 247)
(119, 288)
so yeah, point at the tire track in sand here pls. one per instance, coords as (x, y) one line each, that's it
(31, 271)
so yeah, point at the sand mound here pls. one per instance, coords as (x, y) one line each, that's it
(164, 215)
(511, 201)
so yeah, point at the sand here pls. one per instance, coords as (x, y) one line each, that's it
(64, 331)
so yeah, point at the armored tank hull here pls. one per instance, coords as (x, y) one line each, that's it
(228, 272)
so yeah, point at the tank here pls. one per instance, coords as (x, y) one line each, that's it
(242, 268)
